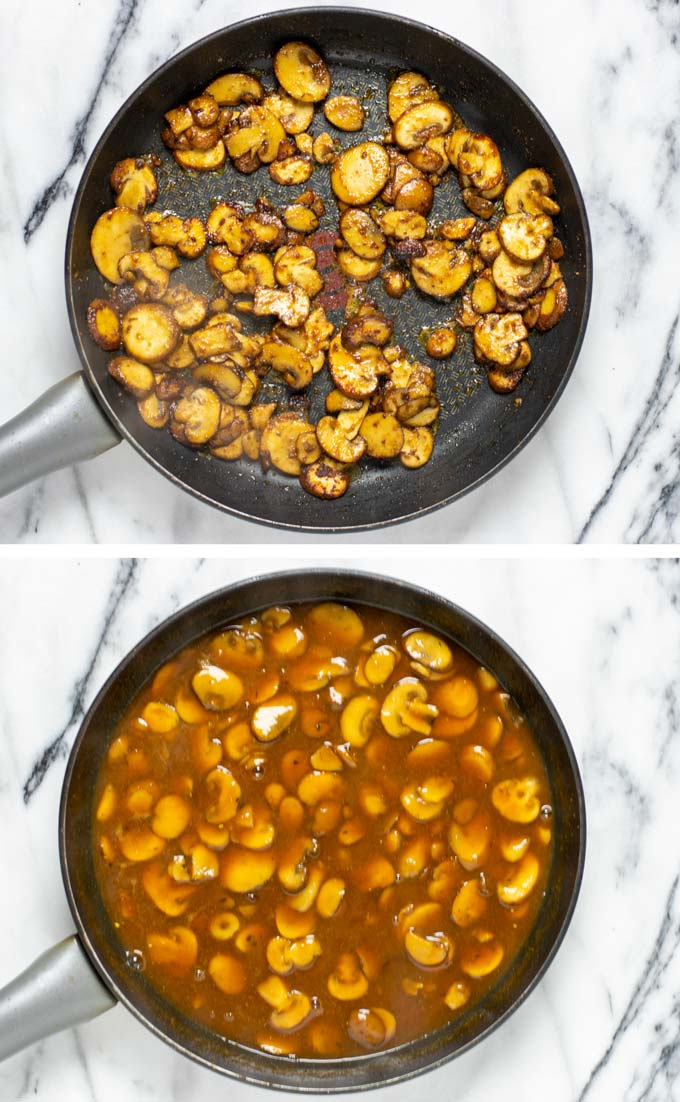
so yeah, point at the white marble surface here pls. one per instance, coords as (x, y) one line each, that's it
(605, 467)
(603, 637)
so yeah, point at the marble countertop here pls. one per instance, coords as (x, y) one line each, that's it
(602, 636)
(606, 465)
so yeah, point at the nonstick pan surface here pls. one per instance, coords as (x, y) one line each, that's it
(479, 431)
(132, 988)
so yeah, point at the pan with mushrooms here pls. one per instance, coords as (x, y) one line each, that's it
(306, 818)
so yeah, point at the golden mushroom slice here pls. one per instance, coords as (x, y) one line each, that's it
(103, 324)
(137, 378)
(371, 1027)
(238, 647)
(457, 995)
(517, 800)
(470, 839)
(403, 224)
(294, 115)
(170, 898)
(482, 958)
(497, 338)
(330, 897)
(407, 90)
(293, 365)
(134, 184)
(290, 305)
(224, 925)
(405, 709)
(362, 234)
(420, 123)
(380, 664)
(244, 870)
(202, 160)
(325, 479)
(293, 1013)
(296, 264)
(347, 981)
(302, 72)
(344, 112)
(469, 905)
(224, 793)
(480, 159)
(139, 843)
(420, 804)
(428, 950)
(271, 719)
(383, 435)
(278, 444)
(442, 270)
(355, 372)
(531, 192)
(230, 89)
(178, 949)
(417, 447)
(336, 443)
(117, 232)
(429, 650)
(355, 267)
(520, 881)
(216, 688)
(172, 816)
(525, 236)
(335, 624)
(228, 973)
(360, 173)
(358, 719)
(150, 332)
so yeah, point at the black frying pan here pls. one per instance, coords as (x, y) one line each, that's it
(479, 431)
(61, 989)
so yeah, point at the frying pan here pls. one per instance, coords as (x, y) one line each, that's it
(84, 975)
(479, 431)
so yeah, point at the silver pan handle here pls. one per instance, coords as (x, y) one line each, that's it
(59, 990)
(63, 426)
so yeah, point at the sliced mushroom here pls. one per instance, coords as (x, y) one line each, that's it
(325, 149)
(103, 324)
(347, 981)
(325, 478)
(417, 447)
(531, 192)
(480, 159)
(116, 233)
(292, 170)
(202, 160)
(441, 343)
(423, 121)
(150, 333)
(405, 709)
(344, 112)
(360, 173)
(279, 439)
(429, 650)
(553, 306)
(370, 327)
(362, 234)
(196, 417)
(355, 372)
(403, 224)
(294, 115)
(134, 184)
(356, 268)
(383, 435)
(497, 338)
(517, 800)
(302, 72)
(296, 265)
(525, 236)
(289, 362)
(230, 89)
(443, 270)
(406, 91)
(291, 305)
(336, 443)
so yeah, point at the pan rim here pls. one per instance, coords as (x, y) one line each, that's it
(332, 579)
(418, 512)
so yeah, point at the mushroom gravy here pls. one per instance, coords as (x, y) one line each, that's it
(323, 831)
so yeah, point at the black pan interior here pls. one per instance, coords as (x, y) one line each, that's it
(479, 430)
(96, 929)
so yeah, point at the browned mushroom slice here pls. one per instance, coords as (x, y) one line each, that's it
(150, 333)
(443, 270)
(455, 143)
(294, 115)
(103, 324)
(416, 194)
(395, 282)
(441, 343)
(293, 170)
(362, 235)
(225, 378)
(504, 382)
(187, 235)
(420, 123)
(337, 443)
(117, 232)
(279, 439)
(291, 305)
(480, 159)
(146, 276)
(188, 308)
(355, 267)
(355, 372)
(432, 156)
(136, 377)
(344, 112)
(516, 279)
(483, 295)
(336, 401)
(325, 148)
(154, 411)
(403, 224)
(326, 479)
(197, 416)
(296, 266)
(302, 72)
(202, 160)
(525, 236)
(531, 192)
(553, 306)
(383, 434)
(230, 89)
(475, 202)
(289, 362)
(407, 90)
(497, 338)
(300, 219)
(417, 447)
(360, 173)
(369, 328)
(134, 184)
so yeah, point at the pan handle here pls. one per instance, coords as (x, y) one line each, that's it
(63, 426)
(59, 990)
